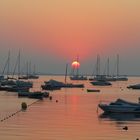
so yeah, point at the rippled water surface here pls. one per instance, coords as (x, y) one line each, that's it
(74, 117)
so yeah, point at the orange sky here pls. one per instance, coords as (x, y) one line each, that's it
(67, 28)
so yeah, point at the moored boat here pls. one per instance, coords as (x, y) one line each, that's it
(120, 106)
(101, 83)
(78, 77)
(36, 94)
(137, 86)
(56, 85)
(93, 90)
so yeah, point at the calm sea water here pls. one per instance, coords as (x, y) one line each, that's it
(73, 117)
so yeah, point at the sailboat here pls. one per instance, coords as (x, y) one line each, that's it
(97, 75)
(107, 76)
(32, 75)
(118, 77)
(29, 75)
(6, 67)
(56, 85)
(15, 84)
(75, 73)
(99, 80)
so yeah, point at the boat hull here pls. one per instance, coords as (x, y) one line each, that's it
(134, 86)
(119, 109)
(93, 90)
(99, 83)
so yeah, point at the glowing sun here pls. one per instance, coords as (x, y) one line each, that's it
(75, 64)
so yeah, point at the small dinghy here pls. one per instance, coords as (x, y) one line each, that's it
(93, 90)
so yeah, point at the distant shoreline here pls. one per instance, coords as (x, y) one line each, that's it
(60, 74)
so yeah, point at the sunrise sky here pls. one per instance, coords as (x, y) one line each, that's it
(51, 33)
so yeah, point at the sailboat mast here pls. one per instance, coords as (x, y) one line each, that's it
(117, 65)
(66, 73)
(8, 63)
(77, 70)
(108, 66)
(98, 65)
(27, 69)
(19, 65)
(34, 70)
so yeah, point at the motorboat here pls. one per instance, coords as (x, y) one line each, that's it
(20, 83)
(120, 106)
(36, 94)
(50, 87)
(13, 88)
(101, 83)
(137, 86)
(17, 83)
(55, 85)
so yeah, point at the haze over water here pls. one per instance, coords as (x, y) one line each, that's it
(74, 116)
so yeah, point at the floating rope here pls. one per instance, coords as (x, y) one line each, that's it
(13, 114)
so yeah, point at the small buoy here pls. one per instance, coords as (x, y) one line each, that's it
(50, 97)
(23, 106)
(139, 100)
(125, 128)
(56, 101)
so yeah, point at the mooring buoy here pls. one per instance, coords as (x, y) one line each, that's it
(125, 128)
(50, 97)
(23, 106)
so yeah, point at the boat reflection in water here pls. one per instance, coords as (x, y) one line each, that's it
(120, 116)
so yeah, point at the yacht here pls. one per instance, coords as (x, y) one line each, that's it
(120, 106)
(137, 86)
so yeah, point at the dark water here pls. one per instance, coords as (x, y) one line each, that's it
(73, 117)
